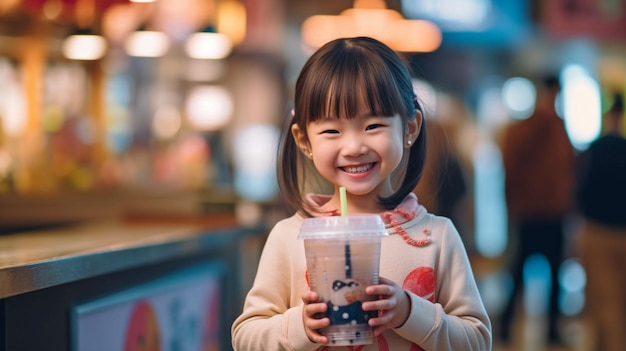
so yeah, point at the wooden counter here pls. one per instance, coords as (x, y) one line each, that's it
(35, 260)
(43, 273)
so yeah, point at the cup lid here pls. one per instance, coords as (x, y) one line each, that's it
(342, 227)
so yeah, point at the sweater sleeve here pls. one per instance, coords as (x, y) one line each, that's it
(457, 320)
(271, 320)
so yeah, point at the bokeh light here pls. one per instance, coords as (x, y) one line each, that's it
(519, 96)
(573, 280)
(581, 103)
(209, 107)
(254, 156)
(166, 122)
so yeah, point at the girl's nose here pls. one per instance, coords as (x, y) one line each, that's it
(354, 146)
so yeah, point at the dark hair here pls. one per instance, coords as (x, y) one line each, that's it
(330, 85)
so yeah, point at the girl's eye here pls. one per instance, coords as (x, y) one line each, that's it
(373, 126)
(330, 131)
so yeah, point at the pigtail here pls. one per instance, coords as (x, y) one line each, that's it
(292, 169)
(287, 161)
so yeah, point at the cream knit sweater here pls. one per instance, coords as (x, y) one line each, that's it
(447, 312)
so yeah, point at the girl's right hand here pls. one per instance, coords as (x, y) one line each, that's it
(312, 325)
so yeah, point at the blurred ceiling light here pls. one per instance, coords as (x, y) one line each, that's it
(231, 20)
(208, 45)
(144, 43)
(209, 107)
(84, 45)
(373, 19)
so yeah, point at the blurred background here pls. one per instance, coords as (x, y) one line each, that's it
(172, 109)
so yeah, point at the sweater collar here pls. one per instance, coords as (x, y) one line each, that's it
(406, 211)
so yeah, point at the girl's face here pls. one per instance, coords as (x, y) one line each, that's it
(359, 153)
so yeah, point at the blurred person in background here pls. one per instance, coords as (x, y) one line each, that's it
(539, 163)
(601, 196)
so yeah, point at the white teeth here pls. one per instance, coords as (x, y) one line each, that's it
(359, 169)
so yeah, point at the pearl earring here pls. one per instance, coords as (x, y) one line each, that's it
(408, 142)
(310, 154)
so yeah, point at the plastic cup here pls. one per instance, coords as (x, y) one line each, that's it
(343, 258)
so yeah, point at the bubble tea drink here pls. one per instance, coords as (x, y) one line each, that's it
(343, 255)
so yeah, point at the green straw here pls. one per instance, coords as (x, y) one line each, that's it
(344, 212)
(342, 199)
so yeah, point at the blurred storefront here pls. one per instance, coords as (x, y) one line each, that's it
(117, 128)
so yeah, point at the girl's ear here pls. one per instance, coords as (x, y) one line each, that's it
(413, 129)
(299, 136)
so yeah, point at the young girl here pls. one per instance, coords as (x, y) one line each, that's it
(357, 122)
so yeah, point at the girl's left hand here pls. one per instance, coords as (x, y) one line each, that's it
(393, 305)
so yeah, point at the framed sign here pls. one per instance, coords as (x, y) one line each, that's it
(180, 311)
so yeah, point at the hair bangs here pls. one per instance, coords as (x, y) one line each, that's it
(382, 93)
(356, 84)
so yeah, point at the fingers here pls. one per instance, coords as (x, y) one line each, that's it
(310, 316)
(384, 287)
(317, 338)
(384, 304)
(380, 290)
(309, 297)
(387, 319)
(312, 327)
(392, 303)
(315, 310)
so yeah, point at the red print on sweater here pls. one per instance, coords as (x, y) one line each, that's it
(421, 282)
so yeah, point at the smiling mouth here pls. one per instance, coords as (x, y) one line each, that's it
(358, 169)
